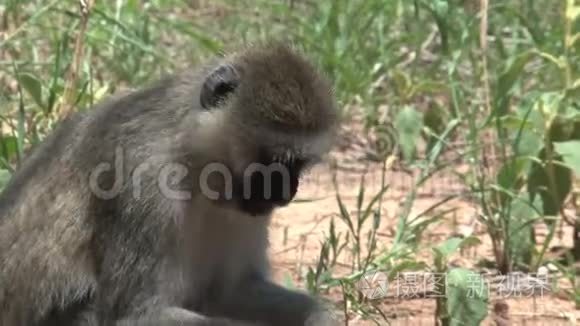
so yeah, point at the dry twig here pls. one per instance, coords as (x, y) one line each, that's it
(68, 98)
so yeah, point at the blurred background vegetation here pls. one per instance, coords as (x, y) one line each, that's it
(438, 70)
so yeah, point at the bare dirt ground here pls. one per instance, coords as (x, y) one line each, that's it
(297, 232)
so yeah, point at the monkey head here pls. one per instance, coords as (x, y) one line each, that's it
(279, 116)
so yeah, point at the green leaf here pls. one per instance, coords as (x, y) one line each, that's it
(539, 183)
(33, 86)
(409, 123)
(430, 87)
(344, 214)
(435, 119)
(448, 247)
(440, 7)
(406, 265)
(570, 151)
(507, 81)
(523, 214)
(8, 147)
(527, 124)
(550, 103)
(361, 195)
(402, 83)
(511, 173)
(467, 297)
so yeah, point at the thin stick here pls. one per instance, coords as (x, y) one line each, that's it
(72, 77)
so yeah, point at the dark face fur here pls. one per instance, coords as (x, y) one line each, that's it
(285, 119)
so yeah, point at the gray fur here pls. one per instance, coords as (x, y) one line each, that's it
(68, 257)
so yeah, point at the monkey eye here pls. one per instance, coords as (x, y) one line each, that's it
(218, 85)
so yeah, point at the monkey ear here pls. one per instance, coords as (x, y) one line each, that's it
(218, 85)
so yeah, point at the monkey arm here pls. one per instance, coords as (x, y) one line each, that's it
(263, 301)
(174, 316)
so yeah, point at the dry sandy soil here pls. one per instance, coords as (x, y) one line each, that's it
(297, 232)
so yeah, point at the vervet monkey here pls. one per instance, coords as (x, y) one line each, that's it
(152, 208)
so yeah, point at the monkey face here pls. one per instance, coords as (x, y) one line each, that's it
(276, 115)
(272, 181)
(268, 178)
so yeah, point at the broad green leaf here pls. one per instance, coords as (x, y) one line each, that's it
(8, 147)
(435, 119)
(409, 123)
(402, 83)
(540, 183)
(406, 265)
(440, 7)
(570, 151)
(507, 80)
(527, 126)
(467, 297)
(523, 214)
(510, 174)
(469, 242)
(448, 247)
(33, 86)
(550, 103)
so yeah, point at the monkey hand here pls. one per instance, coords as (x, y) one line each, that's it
(323, 316)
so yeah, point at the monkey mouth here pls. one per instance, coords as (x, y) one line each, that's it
(256, 208)
(261, 191)
(263, 202)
